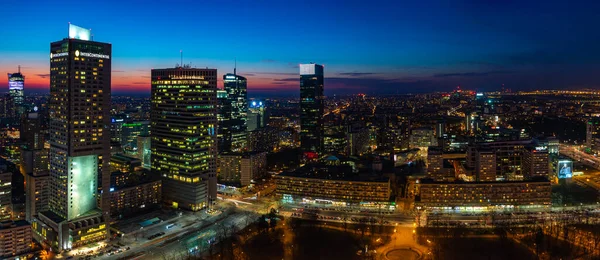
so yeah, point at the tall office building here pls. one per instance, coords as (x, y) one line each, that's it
(257, 116)
(184, 142)
(237, 97)
(311, 107)
(79, 112)
(16, 83)
(223, 112)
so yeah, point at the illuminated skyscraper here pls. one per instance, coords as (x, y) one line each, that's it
(311, 107)
(223, 112)
(236, 88)
(16, 83)
(79, 110)
(184, 140)
(257, 118)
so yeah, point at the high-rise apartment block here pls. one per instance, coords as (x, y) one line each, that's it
(536, 162)
(184, 140)
(242, 168)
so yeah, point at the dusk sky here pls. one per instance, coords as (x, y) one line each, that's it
(373, 47)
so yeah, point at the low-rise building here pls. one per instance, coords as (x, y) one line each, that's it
(335, 185)
(15, 238)
(483, 195)
(135, 192)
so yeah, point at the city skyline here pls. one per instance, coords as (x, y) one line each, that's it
(382, 48)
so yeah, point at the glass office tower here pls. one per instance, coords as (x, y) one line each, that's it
(183, 136)
(311, 107)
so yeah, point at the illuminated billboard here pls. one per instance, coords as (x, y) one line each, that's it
(564, 169)
(76, 32)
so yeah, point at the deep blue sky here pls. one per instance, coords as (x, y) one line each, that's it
(366, 46)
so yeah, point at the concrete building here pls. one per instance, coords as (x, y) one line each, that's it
(592, 140)
(333, 185)
(15, 239)
(474, 196)
(5, 195)
(122, 163)
(536, 162)
(135, 192)
(422, 137)
(79, 106)
(184, 138)
(242, 168)
(485, 167)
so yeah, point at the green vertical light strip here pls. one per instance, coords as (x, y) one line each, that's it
(83, 172)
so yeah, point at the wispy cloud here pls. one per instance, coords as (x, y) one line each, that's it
(268, 60)
(470, 74)
(43, 75)
(118, 71)
(272, 73)
(357, 74)
(286, 80)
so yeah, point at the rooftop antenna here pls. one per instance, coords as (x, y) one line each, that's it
(19, 69)
(181, 53)
(234, 66)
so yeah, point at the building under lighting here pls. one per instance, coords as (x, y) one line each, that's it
(5, 195)
(311, 107)
(474, 196)
(257, 117)
(242, 168)
(34, 165)
(184, 140)
(16, 83)
(237, 99)
(79, 109)
(15, 239)
(334, 185)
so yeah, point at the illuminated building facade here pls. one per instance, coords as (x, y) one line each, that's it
(483, 195)
(329, 188)
(223, 111)
(5, 196)
(15, 239)
(16, 83)
(486, 165)
(592, 139)
(34, 165)
(134, 192)
(237, 98)
(184, 140)
(536, 162)
(311, 107)
(79, 108)
(143, 150)
(257, 117)
(242, 168)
